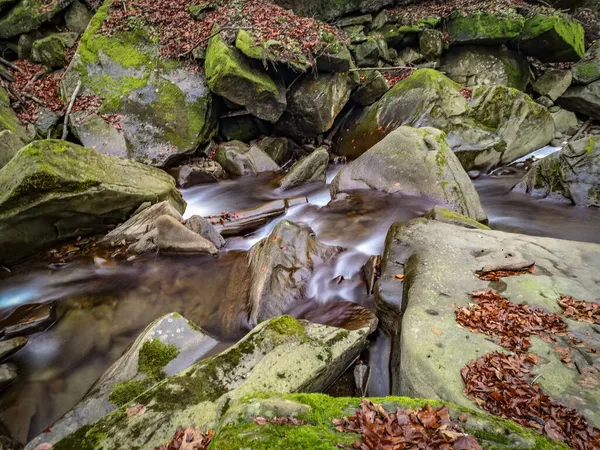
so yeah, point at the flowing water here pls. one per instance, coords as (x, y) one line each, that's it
(103, 307)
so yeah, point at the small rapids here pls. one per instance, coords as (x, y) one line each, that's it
(103, 307)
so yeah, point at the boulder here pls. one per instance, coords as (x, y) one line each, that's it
(485, 126)
(12, 346)
(329, 10)
(239, 159)
(354, 20)
(159, 117)
(166, 347)
(173, 237)
(564, 121)
(552, 38)
(230, 75)
(369, 52)
(583, 100)
(205, 228)
(48, 124)
(260, 51)
(51, 51)
(587, 70)
(373, 86)
(240, 127)
(338, 59)
(572, 175)
(53, 190)
(241, 426)
(9, 120)
(282, 355)
(484, 28)
(28, 15)
(398, 35)
(95, 132)
(445, 215)
(280, 149)
(199, 171)
(310, 169)
(439, 262)
(471, 66)
(77, 17)
(431, 43)
(10, 144)
(553, 83)
(313, 104)
(416, 162)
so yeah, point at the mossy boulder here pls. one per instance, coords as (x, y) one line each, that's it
(98, 134)
(53, 190)
(162, 108)
(484, 28)
(329, 10)
(495, 125)
(473, 65)
(587, 70)
(314, 102)
(10, 144)
(310, 169)
(230, 74)
(439, 261)
(52, 50)
(415, 162)
(398, 35)
(282, 355)
(9, 120)
(552, 38)
(28, 15)
(445, 215)
(166, 347)
(238, 430)
(261, 51)
(571, 175)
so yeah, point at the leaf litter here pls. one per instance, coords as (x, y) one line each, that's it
(580, 310)
(188, 439)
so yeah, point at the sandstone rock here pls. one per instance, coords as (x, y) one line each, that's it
(553, 83)
(415, 162)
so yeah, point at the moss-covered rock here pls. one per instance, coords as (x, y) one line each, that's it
(415, 162)
(238, 430)
(28, 15)
(10, 144)
(332, 9)
(230, 75)
(9, 120)
(552, 38)
(53, 190)
(484, 28)
(281, 355)
(52, 50)
(314, 102)
(164, 109)
(445, 215)
(587, 70)
(572, 175)
(261, 51)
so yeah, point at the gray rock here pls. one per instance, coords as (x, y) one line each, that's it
(431, 43)
(410, 56)
(200, 171)
(310, 169)
(564, 121)
(313, 104)
(10, 144)
(552, 38)
(573, 174)
(587, 70)
(280, 149)
(8, 374)
(439, 260)
(204, 228)
(356, 33)
(166, 347)
(282, 355)
(335, 62)
(583, 99)
(77, 17)
(553, 83)
(25, 44)
(416, 162)
(368, 53)
(11, 346)
(476, 65)
(240, 127)
(381, 19)
(84, 193)
(48, 124)
(52, 50)
(372, 88)
(28, 15)
(544, 101)
(239, 159)
(329, 10)
(173, 237)
(354, 20)
(483, 27)
(95, 132)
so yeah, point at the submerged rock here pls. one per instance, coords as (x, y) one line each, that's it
(572, 175)
(282, 355)
(310, 169)
(165, 348)
(439, 262)
(54, 190)
(161, 108)
(239, 159)
(28, 15)
(415, 162)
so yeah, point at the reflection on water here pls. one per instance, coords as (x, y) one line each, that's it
(102, 309)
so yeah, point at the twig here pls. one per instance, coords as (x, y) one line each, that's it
(124, 5)
(35, 78)
(70, 107)
(34, 98)
(584, 127)
(201, 41)
(358, 69)
(11, 65)
(536, 378)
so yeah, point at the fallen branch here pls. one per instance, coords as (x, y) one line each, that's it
(11, 65)
(33, 98)
(35, 78)
(70, 107)
(584, 127)
(201, 41)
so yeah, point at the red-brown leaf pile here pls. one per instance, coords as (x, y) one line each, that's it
(495, 315)
(495, 275)
(425, 428)
(46, 90)
(580, 310)
(435, 8)
(498, 383)
(179, 32)
(188, 439)
(394, 78)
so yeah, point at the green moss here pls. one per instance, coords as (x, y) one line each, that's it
(570, 31)
(154, 356)
(123, 393)
(589, 148)
(484, 27)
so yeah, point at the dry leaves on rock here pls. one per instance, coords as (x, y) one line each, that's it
(499, 384)
(495, 315)
(580, 310)
(188, 439)
(498, 272)
(424, 428)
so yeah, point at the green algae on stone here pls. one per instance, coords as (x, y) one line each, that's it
(587, 70)
(248, 45)
(52, 50)
(442, 214)
(154, 356)
(484, 28)
(126, 391)
(552, 38)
